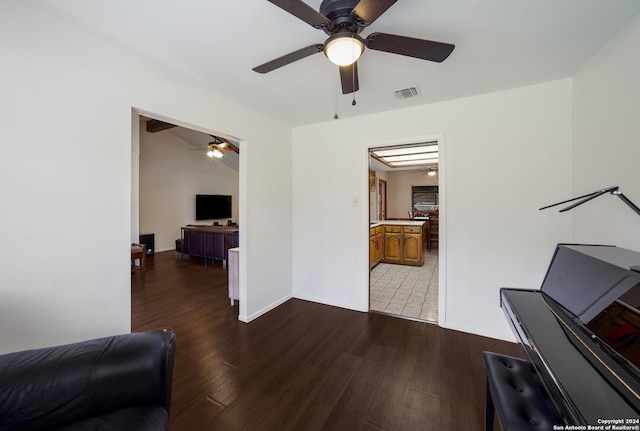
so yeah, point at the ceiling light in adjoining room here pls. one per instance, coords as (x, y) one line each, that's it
(415, 163)
(214, 153)
(406, 157)
(407, 150)
(431, 173)
(344, 48)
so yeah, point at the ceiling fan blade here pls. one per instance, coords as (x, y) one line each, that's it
(303, 11)
(349, 78)
(288, 58)
(230, 147)
(370, 10)
(418, 48)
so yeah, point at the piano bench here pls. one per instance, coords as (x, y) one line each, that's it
(515, 392)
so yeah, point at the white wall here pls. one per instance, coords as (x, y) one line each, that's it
(606, 144)
(171, 174)
(67, 202)
(506, 155)
(66, 172)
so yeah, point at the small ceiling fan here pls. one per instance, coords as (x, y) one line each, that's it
(343, 21)
(215, 149)
(429, 171)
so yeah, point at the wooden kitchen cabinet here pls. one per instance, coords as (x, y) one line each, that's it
(379, 237)
(392, 244)
(412, 246)
(403, 245)
(372, 250)
(376, 246)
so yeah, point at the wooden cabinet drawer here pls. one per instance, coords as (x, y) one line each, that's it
(412, 229)
(393, 229)
(379, 230)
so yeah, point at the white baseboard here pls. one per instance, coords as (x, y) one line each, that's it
(249, 318)
(479, 331)
(160, 250)
(332, 303)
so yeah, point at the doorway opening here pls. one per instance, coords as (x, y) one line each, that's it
(172, 163)
(404, 219)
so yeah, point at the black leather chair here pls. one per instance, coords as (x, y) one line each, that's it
(119, 383)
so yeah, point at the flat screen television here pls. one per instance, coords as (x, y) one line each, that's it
(210, 207)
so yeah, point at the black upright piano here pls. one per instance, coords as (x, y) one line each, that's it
(581, 331)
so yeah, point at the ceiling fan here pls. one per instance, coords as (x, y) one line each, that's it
(343, 21)
(215, 149)
(429, 171)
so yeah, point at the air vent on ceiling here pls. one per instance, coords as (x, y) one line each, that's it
(407, 93)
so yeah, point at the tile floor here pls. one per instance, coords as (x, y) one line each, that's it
(407, 291)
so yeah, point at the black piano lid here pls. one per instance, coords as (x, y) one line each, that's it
(582, 389)
(585, 319)
(585, 279)
(595, 285)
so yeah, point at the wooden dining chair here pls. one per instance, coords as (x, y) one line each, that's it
(433, 235)
(138, 258)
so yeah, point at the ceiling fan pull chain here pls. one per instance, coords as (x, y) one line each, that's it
(353, 103)
(335, 116)
(353, 72)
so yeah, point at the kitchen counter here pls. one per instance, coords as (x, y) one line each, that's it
(397, 242)
(417, 223)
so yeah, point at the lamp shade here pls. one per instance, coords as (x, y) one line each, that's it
(344, 49)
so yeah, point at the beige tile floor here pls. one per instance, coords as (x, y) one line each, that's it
(406, 291)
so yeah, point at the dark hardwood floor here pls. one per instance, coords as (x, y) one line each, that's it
(306, 366)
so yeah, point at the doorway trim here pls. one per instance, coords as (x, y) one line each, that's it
(442, 209)
(382, 205)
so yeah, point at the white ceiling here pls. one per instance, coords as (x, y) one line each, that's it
(500, 44)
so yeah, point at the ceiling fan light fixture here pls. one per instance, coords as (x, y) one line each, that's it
(344, 48)
(431, 173)
(214, 153)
